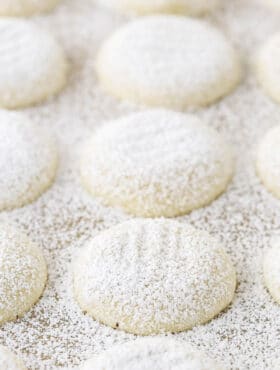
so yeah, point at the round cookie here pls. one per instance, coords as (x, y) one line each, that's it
(271, 268)
(149, 276)
(168, 61)
(268, 161)
(21, 8)
(23, 273)
(28, 160)
(152, 353)
(32, 64)
(143, 7)
(157, 163)
(267, 67)
(8, 361)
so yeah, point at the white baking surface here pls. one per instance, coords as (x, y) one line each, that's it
(55, 333)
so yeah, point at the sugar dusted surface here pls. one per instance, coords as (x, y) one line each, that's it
(157, 163)
(32, 64)
(28, 160)
(23, 273)
(152, 353)
(137, 63)
(153, 276)
(55, 333)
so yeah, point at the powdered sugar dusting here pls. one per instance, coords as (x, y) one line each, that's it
(157, 163)
(32, 64)
(151, 276)
(23, 273)
(137, 63)
(55, 333)
(152, 353)
(28, 160)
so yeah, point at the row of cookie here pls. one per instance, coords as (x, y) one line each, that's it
(155, 163)
(148, 353)
(134, 159)
(144, 276)
(168, 61)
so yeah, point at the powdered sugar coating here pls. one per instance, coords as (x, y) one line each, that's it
(168, 61)
(55, 334)
(32, 64)
(152, 276)
(8, 361)
(23, 273)
(18, 8)
(28, 160)
(152, 353)
(271, 268)
(141, 7)
(268, 160)
(157, 163)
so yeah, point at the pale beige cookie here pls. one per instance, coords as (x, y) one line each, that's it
(28, 160)
(23, 273)
(168, 61)
(268, 161)
(152, 353)
(157, 163)
(152, 276)
(33, 67)
(143, 7)
(9, 361)
(267, 67)
(22, 8)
